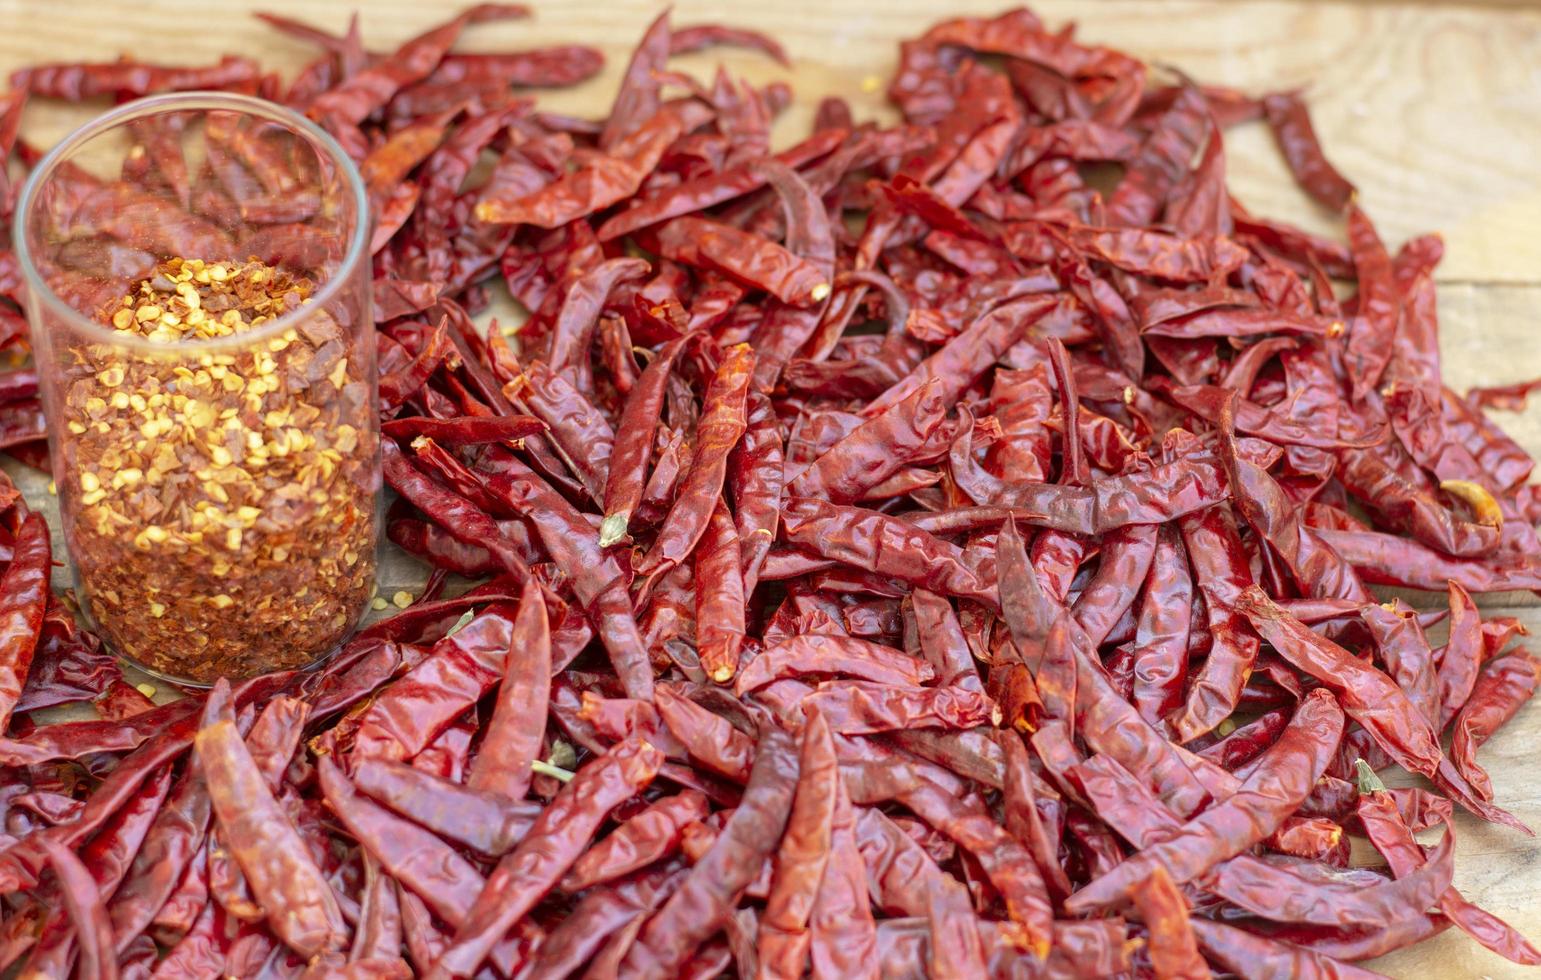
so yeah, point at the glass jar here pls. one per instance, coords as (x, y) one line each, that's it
(198, 290)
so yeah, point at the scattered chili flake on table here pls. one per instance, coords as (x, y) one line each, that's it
(825, 526)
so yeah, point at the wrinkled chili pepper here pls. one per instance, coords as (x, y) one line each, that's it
(301, 907)
(1504, 685)
(23, 598)
(694, 912)
(723, 422)
(1291, 124)
(513, 735)
(1278, 785)
(553, 842)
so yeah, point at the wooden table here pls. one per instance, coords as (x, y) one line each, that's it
(1431, 109)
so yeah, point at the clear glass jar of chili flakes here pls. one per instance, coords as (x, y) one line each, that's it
(198, 286)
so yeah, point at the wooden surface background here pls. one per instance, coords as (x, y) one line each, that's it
(1434, 110)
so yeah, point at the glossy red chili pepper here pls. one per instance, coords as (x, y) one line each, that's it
(23, 599)
(300, 905)
(513, 735)
(1503, 686)
(551, 846)
(413, 711)
(704, 899)
(723, 422)
(1276, 787)
(1292, 130)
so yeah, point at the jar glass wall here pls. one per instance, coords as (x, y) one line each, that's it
(198, 293)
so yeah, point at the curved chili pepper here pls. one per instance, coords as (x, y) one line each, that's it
(1369, 696)
(572, 335)
(704, 899)
(803, 857)
(1504, 685)
(970, 353)
(1161, 638)
(650, 836)
(1161, 161)
(815, 653)
(749, 260)
(1126, 557)
(1274, 789)
(1261, 501)
(169, 845)
(1290, 121)
(301, 908)
(23, 599)
(551, 846)
(512, 739)
(723, 422)
(1406, 653)
(446, 882)
(1369, 348)
(487, 824)
(1382, 821)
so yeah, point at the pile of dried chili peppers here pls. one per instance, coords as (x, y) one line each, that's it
(935, 550)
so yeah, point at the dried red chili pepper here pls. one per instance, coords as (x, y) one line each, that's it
(1368, 695)
(803, 857)
(513, 735)
(723, 422)
(413, 711)
(301, 908)
(815, 653)
(1291, 124)
(1382, 821)
(697, 910)
(552, 844)
(720, 597)
(650, 836)
(487, 824)
(23, 598)
(1278, 784)
(1503, 686)
(708, 737)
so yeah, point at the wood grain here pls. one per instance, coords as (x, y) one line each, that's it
(1431, 108)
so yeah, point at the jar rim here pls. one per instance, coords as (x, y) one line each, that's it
(99, 332)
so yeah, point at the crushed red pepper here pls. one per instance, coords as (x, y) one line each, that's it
(226, 521)
(1033, 636)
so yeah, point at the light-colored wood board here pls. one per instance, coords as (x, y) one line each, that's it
(1431, 108)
